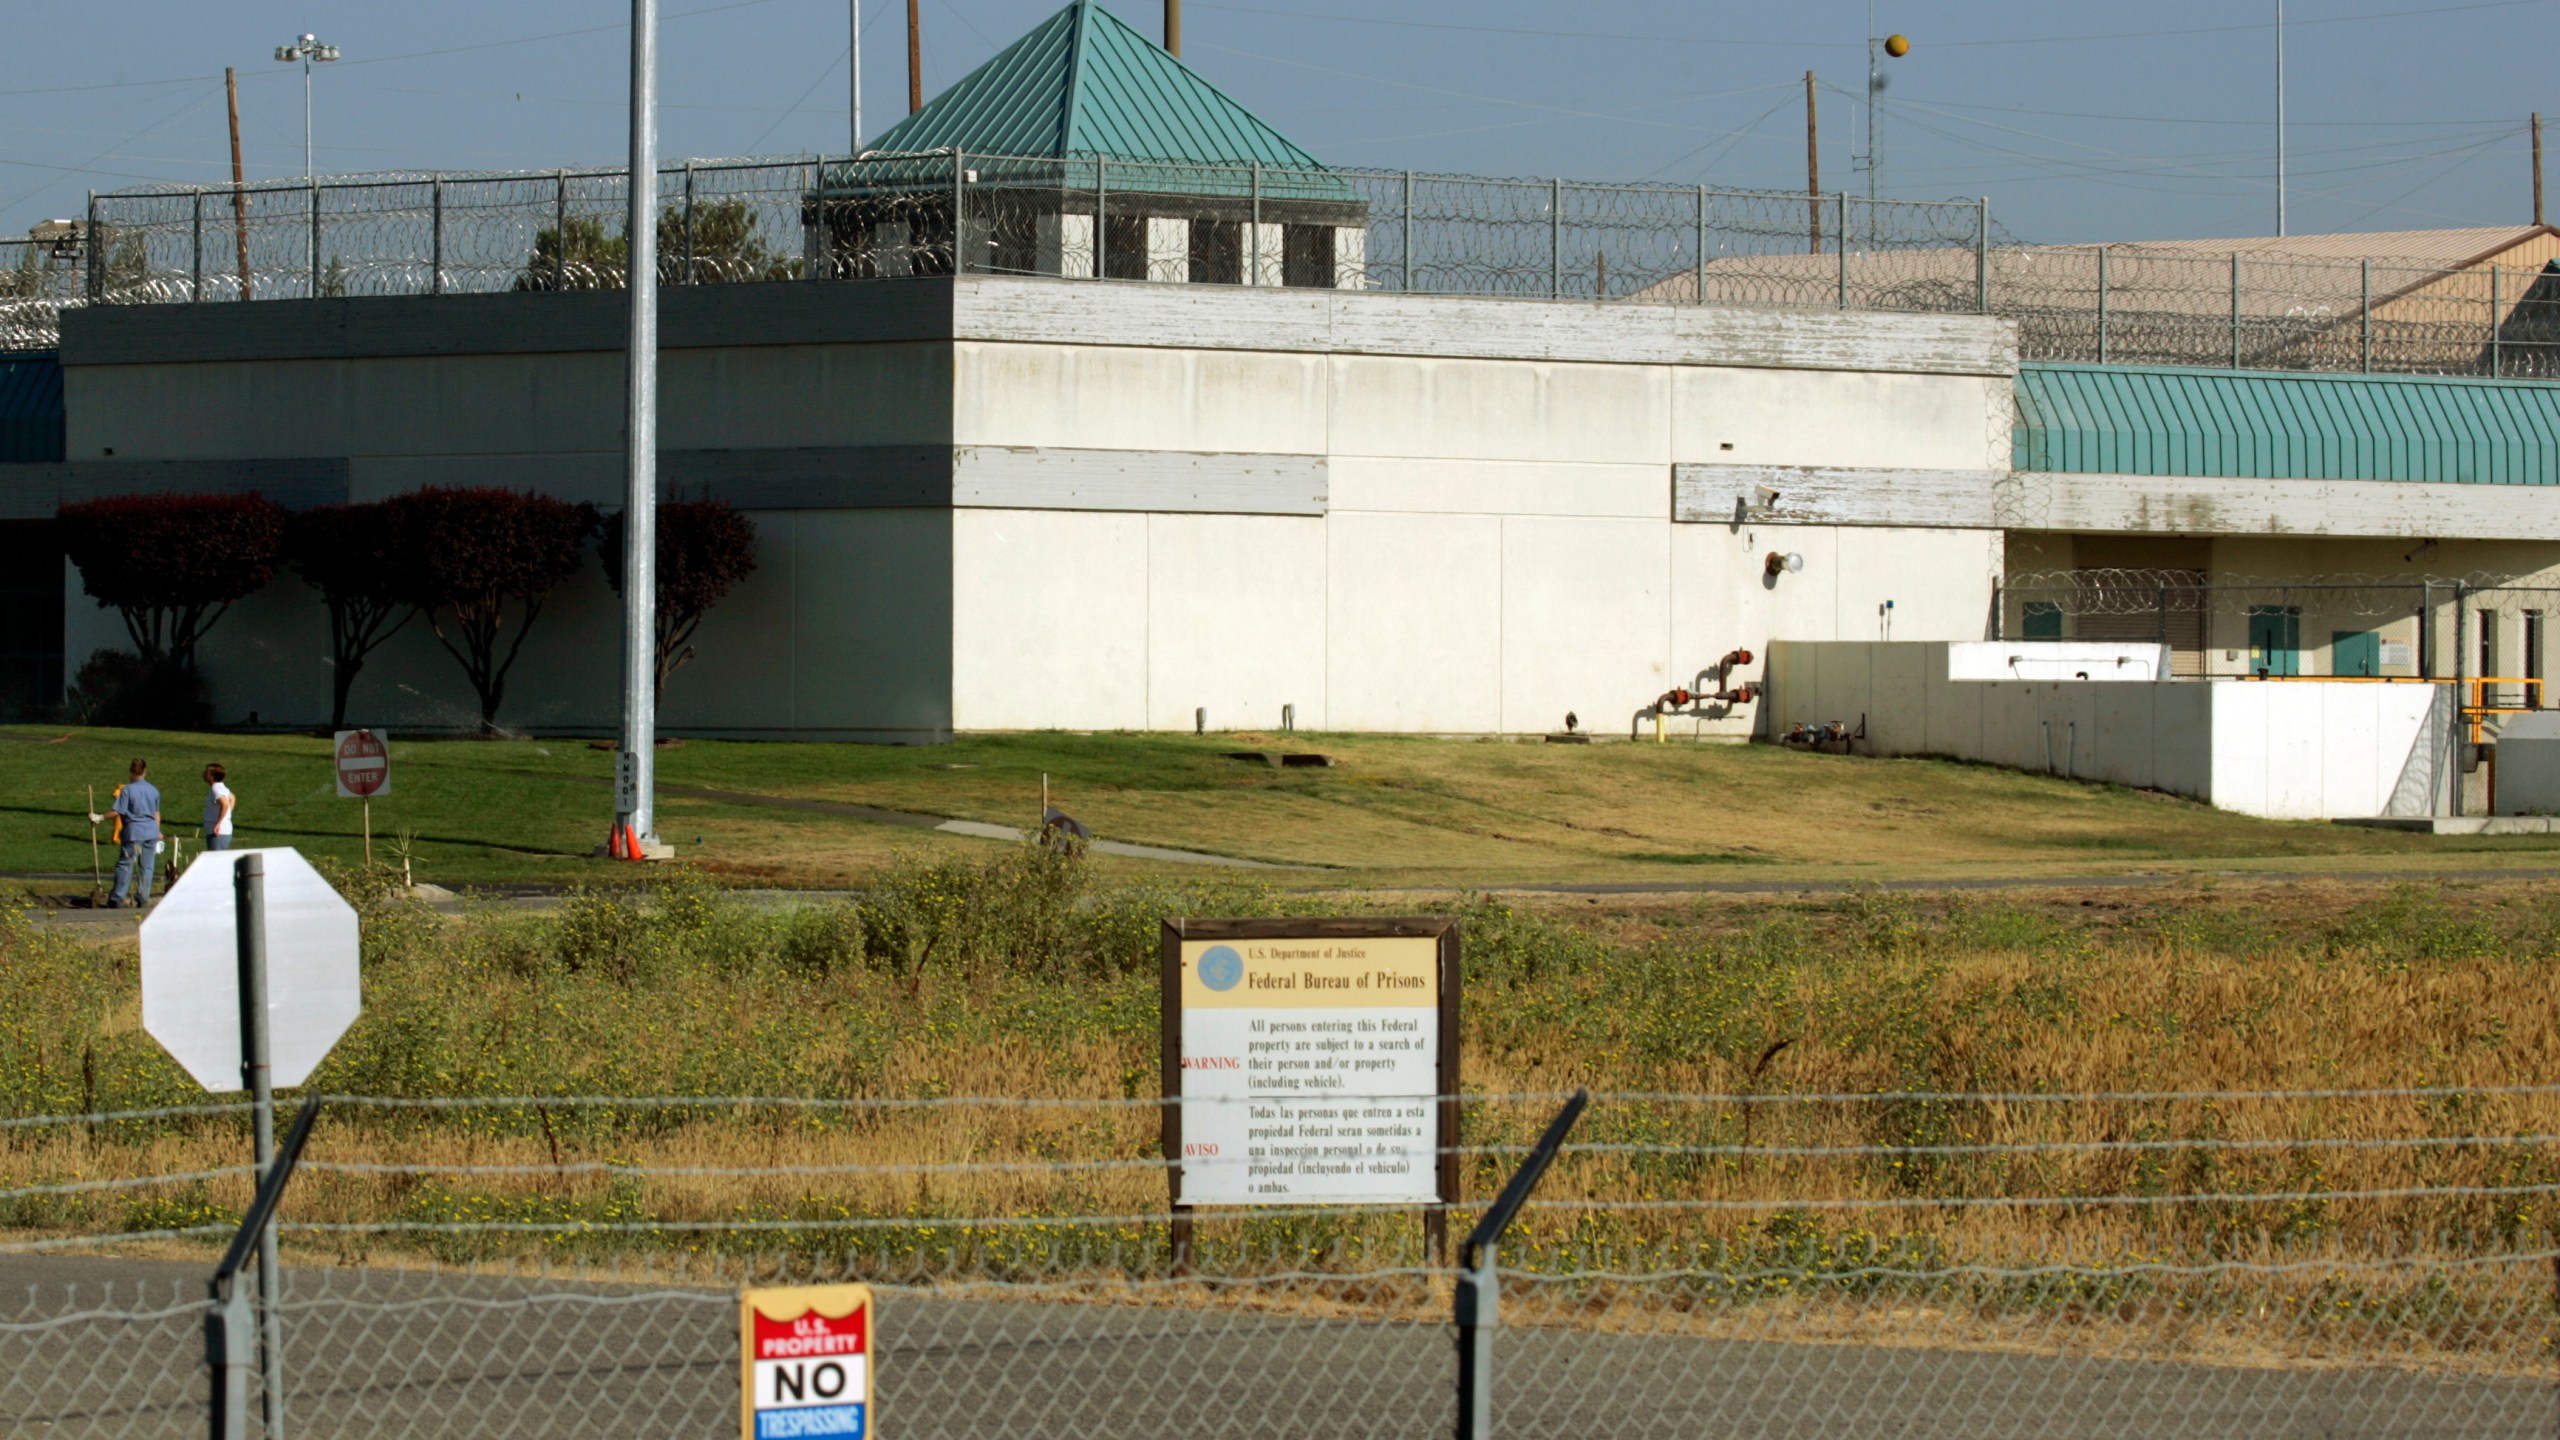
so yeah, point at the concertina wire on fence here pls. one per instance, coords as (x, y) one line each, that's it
(2030, 1265)
(887, 216)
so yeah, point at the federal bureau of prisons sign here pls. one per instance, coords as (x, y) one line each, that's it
(1314, 1061)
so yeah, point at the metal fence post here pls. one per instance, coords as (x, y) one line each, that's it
(2461, 672)
(959, 210)
(1479, 1297)
(2102, 313)
(2235, 310)
(2364, 309)
(315, 239)
(1982, 255)
(1102, 219)
(94, 282)
(688, 224)
(1701, 295)
(435, 234)
(1253, 232)
(2496, 339)
(1841, 200)
(231, 1346)
(249, 911)
(195, 268)
(1408, 233)
(560, 232)
(1555, 239)
(812, 184)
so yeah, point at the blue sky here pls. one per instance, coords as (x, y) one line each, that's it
(2079, 121)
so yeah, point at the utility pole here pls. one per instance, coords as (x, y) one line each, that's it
(1173, 28)
(2537, 167)
(1812, 168)
(2279, 117)
(856, 151)
(239, 180)
(634, 798)
(915, 62)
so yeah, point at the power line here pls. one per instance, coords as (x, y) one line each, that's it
(1725, 42)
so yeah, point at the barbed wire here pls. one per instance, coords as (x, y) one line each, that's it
(741, 219)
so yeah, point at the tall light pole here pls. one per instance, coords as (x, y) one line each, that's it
(307, 49)
(634, 819)
(857, 79)
(2279, 117)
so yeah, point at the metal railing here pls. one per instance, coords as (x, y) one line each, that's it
(1398, 231)
(2022, 1264)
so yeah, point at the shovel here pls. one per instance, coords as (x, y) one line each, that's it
(97, 877)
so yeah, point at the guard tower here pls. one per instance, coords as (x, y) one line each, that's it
(1084, 150)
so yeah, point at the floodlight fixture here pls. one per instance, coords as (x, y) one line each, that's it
(306, 50)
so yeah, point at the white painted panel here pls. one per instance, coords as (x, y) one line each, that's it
(1236, 620)
(1049, 620)
(1500, 410)
(2239, 739)
(1915, 584)
(1585, 621)
(1117, 398)
(1814, 417)
(1350, 257)
(1494, 487)
(2093, 660)
(2296, 739)
(1414, 623)
(1168, 250)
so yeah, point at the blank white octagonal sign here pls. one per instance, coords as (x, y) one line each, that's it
(191, 969)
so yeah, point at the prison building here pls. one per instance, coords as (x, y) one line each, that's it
(1086, 400)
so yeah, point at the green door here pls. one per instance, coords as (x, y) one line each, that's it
(2275, 641)
(2355, 652)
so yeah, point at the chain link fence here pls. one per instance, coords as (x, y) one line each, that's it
(2481, 626)
(2374, 1262)
(887, 216)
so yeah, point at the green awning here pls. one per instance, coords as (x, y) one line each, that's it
(2139, 420)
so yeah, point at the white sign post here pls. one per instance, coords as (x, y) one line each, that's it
(1314, 1062)
(364, 771)
(245, 1004)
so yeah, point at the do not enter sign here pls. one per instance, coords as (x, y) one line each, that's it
(364, 765)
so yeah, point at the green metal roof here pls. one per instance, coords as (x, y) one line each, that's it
(30, 408)
(2136, 420)
(1083, 83)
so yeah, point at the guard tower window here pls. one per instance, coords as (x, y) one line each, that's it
(1124, 255)
(1217, 252)
(1306, 256)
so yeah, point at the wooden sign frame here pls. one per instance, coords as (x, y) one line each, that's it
(1450, 1175)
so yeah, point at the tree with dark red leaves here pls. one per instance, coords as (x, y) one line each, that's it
(171, 564)
(705, 549)
(482, 562)
(353, 555)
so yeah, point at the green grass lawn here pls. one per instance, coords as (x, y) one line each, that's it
(1394, 812)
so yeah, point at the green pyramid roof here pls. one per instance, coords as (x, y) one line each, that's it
(1084, 84)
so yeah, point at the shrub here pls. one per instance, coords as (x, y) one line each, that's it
(172, 564)
(353, 555)
(482, 562)
(705, 550)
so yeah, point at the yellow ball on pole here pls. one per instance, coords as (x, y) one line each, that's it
(1897, 46)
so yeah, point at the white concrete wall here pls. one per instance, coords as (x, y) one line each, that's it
(2285, 750)
(1497, 552)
